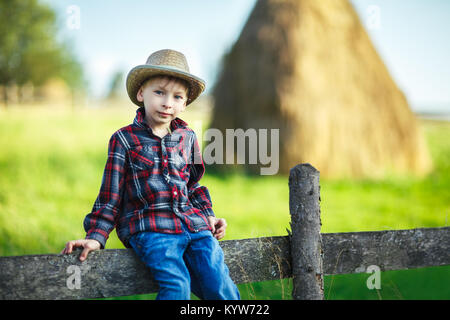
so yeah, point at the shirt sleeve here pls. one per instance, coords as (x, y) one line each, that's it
(99, 223)
(198, 195)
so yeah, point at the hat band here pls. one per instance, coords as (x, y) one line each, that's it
(165, 66)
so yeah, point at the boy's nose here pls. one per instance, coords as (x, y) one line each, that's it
(168, 102)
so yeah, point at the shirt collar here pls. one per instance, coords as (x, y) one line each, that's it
(139, 121)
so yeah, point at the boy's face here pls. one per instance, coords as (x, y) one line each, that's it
(163, 99)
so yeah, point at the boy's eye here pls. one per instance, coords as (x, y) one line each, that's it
(178, 97)
(159, 92)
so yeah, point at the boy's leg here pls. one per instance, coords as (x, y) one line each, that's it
(163, 254)
(210, 275)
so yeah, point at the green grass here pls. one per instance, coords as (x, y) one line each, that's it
(51, 164)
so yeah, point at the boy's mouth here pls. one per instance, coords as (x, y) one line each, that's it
(164, 114)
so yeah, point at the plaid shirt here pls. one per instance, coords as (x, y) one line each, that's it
(150, 184)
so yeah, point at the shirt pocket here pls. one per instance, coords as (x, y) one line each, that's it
(179, 157)
(142, 159)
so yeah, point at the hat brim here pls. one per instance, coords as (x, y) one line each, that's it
(140, 73)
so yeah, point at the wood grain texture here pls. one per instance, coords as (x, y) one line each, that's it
(306, 241)
(353, 252)
(118, 272)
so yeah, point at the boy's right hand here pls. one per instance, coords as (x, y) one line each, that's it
(88, 245)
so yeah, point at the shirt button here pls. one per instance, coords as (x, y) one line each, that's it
(175, 193)
(165, 160)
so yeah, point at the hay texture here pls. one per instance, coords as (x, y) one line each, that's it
(309, 68)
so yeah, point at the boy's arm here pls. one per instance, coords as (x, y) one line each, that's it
(200, 198)
(198, 195)
(101, 220)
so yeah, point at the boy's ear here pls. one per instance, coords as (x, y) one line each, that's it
(139, 95)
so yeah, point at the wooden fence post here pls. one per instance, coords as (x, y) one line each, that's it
(306, 241)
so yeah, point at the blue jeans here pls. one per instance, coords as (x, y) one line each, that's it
(181, 263)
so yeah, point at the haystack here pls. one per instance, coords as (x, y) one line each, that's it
(309, 68)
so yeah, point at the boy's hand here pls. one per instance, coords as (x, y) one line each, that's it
(87, 245)
(218, 227)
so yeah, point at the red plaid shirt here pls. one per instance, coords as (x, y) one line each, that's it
(150, 184)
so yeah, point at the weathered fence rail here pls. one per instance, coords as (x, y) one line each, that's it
(306, 256)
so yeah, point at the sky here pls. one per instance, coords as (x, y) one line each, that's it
(411, 36)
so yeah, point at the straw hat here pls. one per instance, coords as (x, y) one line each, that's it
(163, 62)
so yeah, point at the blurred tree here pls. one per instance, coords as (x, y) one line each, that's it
(29, 50)
(116, 85)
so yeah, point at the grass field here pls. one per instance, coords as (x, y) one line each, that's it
(51, 164)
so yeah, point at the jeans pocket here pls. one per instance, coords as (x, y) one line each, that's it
(136, 241)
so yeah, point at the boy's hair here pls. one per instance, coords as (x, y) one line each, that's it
(169, 78)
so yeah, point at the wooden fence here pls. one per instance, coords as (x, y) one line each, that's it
(306, 255)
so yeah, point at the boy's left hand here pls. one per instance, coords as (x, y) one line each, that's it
(218, 227)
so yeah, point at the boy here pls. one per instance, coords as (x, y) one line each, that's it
(150, 189)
